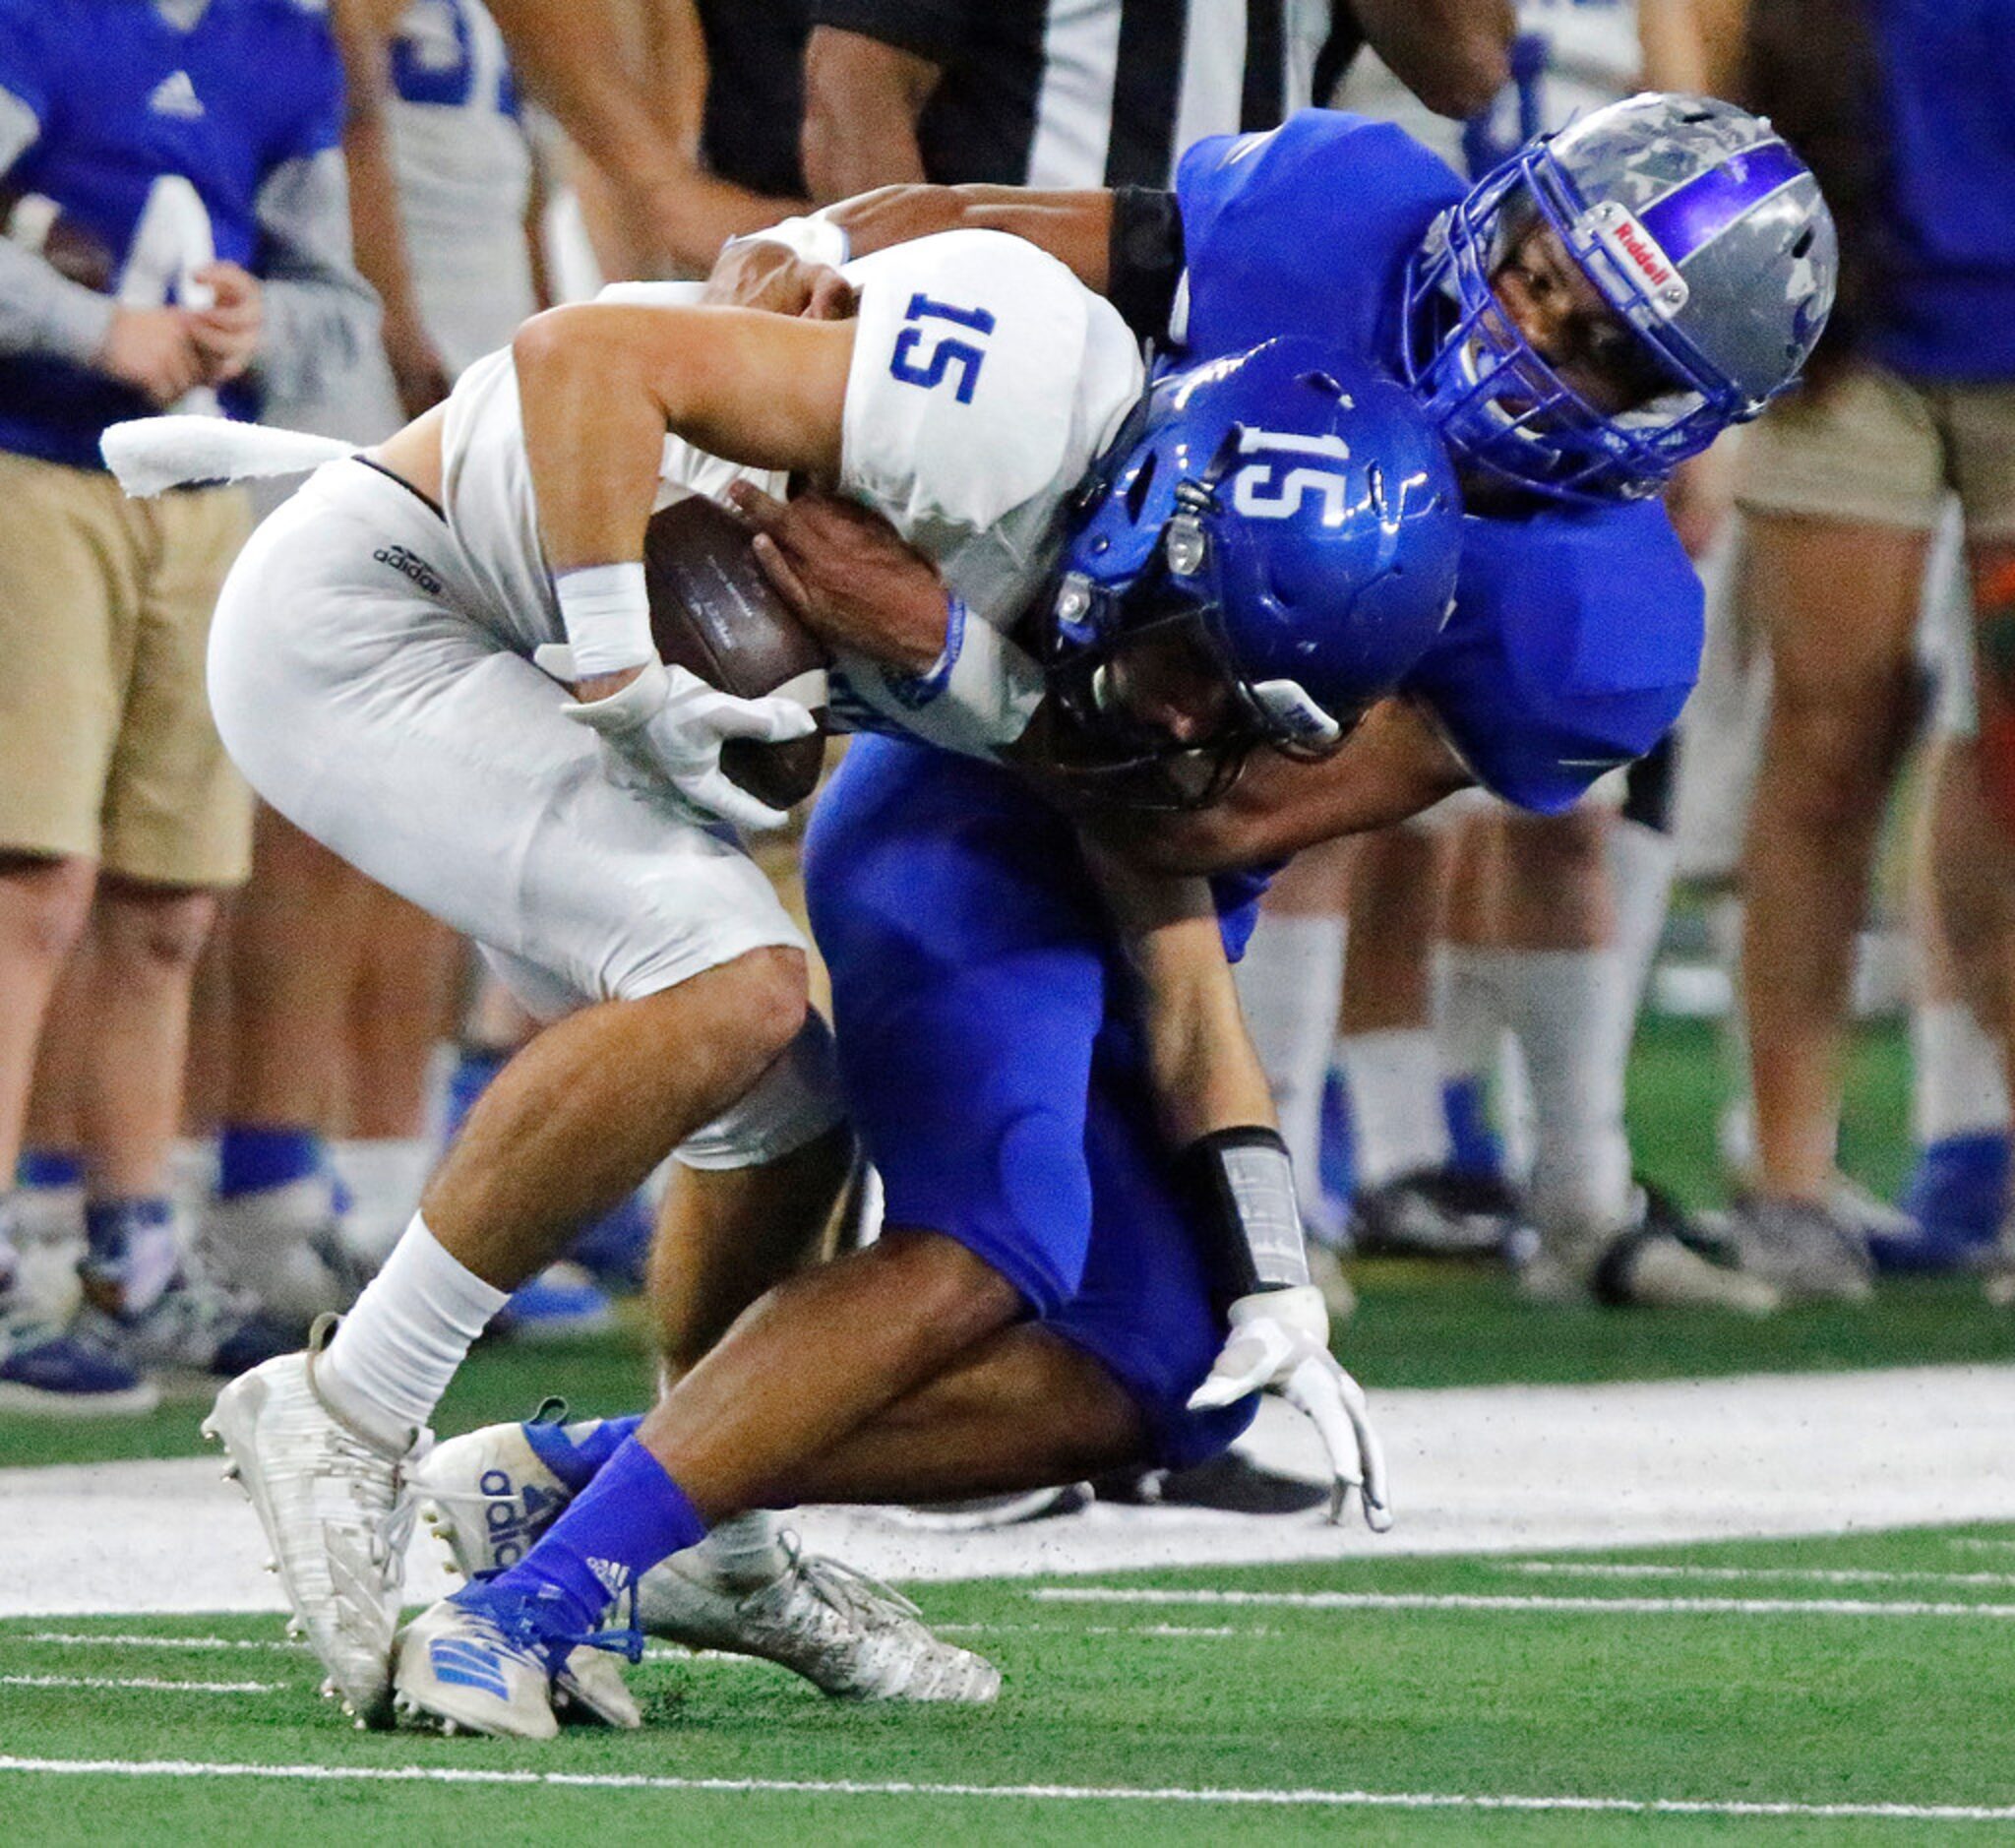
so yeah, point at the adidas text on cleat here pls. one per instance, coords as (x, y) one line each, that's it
(336, 1510)
(489, 1495)
(489, 1661)
(838, 1629)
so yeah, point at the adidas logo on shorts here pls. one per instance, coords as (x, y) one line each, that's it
(409, 565)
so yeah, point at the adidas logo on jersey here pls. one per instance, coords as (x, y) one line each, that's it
(176, 96)
(409, 565)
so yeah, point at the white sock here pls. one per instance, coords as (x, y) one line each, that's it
(1572, 1016)
(395, 1353)
(384, 1176)
(1469, 1014)
(742, 1549)
(1735, 1133)
(1290, 982)
(1958, 1086)
(1395, 1102)
(1641, 862)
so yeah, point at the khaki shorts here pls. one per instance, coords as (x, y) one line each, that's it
(108, 751)
(1874, 449)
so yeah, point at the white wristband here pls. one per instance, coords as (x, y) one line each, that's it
(607, 613)
(817, 240)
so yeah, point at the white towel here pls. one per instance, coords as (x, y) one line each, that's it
(151, 454)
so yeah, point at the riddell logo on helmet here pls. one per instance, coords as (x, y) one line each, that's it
(1637, 251)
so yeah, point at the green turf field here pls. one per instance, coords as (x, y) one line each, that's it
(1344, 1697)
(1766, 1693)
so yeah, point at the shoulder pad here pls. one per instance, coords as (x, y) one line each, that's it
(962, 397)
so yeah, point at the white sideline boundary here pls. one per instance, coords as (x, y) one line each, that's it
(1486, 1601)
(1502, 1470)
(1035, 1793)
(148, 1682)
(1756, 1575)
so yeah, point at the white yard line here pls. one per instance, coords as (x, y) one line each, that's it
(146, 1682)
(93, 1639)
(1458, 1601)
(1734, 1574)
(1037, 1793)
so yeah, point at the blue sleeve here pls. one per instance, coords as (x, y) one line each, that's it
(1574, 643)
(1306, 230)
(29, 57)
(314, 97)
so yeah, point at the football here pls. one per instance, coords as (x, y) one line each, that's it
(713, 613)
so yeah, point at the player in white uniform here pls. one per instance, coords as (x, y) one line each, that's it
(337, 989)
(370, 672)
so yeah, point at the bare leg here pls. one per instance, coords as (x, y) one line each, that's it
(727, 1235)
(144, 942)
(43, 904)
(819, 1357)
(397, 1011)
(1839, 604)
(594, 1102)
(1022, 1410)
(294, 937)
(1395, 907)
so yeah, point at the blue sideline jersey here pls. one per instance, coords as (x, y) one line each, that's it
(156, 140)
(1576, 633)
(1948, 93)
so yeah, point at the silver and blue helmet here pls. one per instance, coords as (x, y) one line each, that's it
(1704, 233)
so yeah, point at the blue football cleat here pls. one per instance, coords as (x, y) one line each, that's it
(54, 1374)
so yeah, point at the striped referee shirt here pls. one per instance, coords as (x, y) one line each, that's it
(1091, 93)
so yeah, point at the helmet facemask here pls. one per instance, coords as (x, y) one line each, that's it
(1500, 405)
(1172, 602)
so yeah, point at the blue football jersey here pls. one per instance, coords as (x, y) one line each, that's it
(158, 139)
(1576, 632)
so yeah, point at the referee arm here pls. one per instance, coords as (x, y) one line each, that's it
(1126, 245)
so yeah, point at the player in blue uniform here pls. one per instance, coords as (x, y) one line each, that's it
(975, 982)
(171, 231)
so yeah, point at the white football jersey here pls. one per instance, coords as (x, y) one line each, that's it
(985, 381)
(463, 169)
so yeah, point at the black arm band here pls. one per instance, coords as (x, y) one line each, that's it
(1144, 259)
(1242, 1186)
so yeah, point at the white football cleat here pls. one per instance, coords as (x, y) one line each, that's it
(332, 1499)
(489, 1496)
(486, 1661)
(835, 1627)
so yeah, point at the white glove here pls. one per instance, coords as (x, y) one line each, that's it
(1280, 1341)
(661, 737)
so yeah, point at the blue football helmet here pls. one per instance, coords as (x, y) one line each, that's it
(1288, 516)
(1705, 235)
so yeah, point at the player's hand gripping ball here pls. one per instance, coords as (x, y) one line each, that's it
(714, 613)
